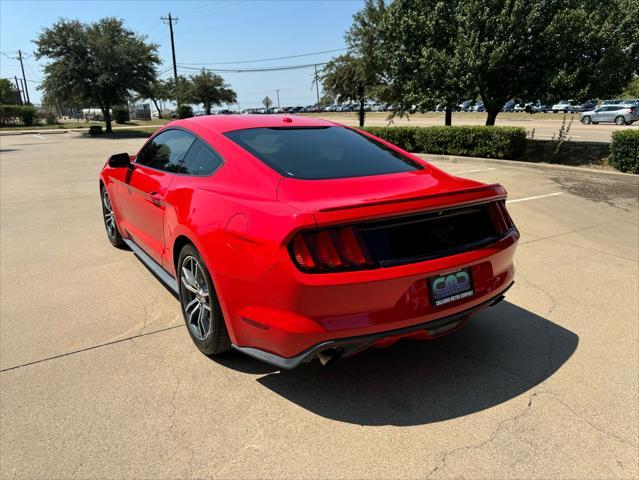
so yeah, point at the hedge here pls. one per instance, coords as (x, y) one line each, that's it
(624, 151)
(16, 114)
(120, 114)
(469, 141)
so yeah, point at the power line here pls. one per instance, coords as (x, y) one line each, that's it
(249, 70)
(266, 59)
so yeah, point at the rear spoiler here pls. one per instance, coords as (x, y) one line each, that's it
(409, 204)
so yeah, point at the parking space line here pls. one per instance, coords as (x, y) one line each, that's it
(525, 199)
(473, 171)
(38, 136)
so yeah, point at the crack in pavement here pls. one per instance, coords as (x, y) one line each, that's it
(93, 347)
(442, 463)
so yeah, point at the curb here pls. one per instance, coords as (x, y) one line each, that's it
(529, 165)
(34, 132)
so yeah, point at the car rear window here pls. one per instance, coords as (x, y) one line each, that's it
(316, 153)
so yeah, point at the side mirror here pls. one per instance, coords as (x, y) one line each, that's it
(119, 160)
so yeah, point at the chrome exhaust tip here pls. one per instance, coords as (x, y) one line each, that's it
(330, 356)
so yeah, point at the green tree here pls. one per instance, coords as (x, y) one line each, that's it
(356, 76)
(97, 63)
(594, 48)
(7, 92)
(422, 67)
(209, 89)
(530, 48)
(344, 78)
(632, 89)
(156, 90)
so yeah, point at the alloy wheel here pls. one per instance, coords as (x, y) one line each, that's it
(109, 218)
(195, 297)
(620, 120)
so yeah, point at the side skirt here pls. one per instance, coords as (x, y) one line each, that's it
(157, 270)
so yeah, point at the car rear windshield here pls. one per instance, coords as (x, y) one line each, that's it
(316, 153)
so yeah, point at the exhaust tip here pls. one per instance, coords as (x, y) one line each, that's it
(330, 356)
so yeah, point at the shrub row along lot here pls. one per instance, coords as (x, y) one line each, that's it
(98, 374)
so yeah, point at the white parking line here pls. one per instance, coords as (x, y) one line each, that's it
(534, 198)
(472, 171)
(38, 136)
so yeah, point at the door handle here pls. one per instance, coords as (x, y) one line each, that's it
(155, 198)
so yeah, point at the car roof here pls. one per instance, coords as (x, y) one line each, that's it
(227, 123)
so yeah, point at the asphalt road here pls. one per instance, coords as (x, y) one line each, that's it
(545, 125)
(99, 378)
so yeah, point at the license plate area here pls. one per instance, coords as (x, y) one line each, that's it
(450, 287)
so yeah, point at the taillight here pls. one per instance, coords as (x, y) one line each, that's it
(330, 249)
(501, 217)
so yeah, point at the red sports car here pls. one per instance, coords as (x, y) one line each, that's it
(289, 238)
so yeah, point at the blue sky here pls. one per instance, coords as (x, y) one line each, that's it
(207, 31)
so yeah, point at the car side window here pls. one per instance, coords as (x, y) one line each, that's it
(166, 151)
(201, 160)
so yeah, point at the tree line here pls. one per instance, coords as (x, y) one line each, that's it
(104, 64)
(418, 54)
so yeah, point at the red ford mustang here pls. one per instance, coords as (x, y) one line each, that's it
(290, 238)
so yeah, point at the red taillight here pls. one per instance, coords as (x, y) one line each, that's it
(330, 249)
(501, 217)
(302, 254)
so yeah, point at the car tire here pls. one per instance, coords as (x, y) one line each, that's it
(110, 222)
(620, 120)
(586, 120)
(200, 305)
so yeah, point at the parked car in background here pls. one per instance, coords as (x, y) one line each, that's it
(537, 107)
(588, 106)
(520, 107)
(509, 106)
(465, 105)
(615, 101)
(618, 114)
(562, 106)
(479, 107)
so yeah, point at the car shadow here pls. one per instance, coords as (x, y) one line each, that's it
(502, 353)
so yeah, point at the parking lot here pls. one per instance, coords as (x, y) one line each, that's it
(545, 125)
(99, 378)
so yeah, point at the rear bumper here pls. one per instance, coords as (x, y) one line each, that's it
(351, 345)
(287, 314)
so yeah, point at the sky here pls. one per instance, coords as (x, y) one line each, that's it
(208, 33)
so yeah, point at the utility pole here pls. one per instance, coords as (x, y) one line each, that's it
(18, 89)
(317, 85)
(170, 21)
(26, 90)
(23, 84)
(278, 97)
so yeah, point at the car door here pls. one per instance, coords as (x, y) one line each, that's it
(605, 114)
(146, 186)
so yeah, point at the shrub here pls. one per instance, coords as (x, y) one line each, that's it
(184, 111)
(470, 141)
(624, 151)
(17, 114)
(95, 130)
(120, 114)
(50, 117)
(28, 115)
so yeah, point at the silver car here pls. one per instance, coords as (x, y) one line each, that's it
(619, 114)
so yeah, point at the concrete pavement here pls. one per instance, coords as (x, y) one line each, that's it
(100, 379)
